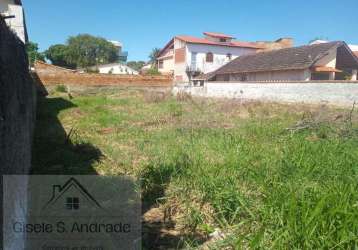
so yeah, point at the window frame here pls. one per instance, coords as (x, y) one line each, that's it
(209, 57)
(72, 203)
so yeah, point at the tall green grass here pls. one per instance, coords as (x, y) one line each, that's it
(230, 166)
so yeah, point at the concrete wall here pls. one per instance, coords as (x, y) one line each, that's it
(334, 93)
(17, 116)
(285, 75)
(17, 24)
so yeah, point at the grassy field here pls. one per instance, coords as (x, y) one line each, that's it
(238, 175)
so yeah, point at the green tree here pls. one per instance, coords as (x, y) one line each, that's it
(136, 65)
(85, 50)
(154, 55)
(33, 53)
(57, 54)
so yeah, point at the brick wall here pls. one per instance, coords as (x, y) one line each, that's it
(49, 75)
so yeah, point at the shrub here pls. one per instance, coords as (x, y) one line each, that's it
(61, 88)
(153, 72)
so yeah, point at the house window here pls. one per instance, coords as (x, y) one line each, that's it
(222, 40)
(72, 203)
(243, 78)
(229, 56)
(161, 64)
(209, 57)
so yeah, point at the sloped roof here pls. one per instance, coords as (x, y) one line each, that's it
(217, 35)
(196, 40)
(284, 59)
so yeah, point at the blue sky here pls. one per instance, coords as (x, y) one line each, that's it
(143, 25)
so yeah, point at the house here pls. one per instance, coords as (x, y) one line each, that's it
(353, 47)
(71, 196)
(114, 68)
(323, 61)
(122, 55)
(186, 56)
(14, 15)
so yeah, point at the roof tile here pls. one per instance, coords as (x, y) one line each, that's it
(284, 59)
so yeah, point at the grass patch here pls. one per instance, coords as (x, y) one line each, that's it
(266, 175)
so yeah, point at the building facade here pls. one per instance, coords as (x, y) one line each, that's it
(187, 57)
(14, 15)
(122, 55)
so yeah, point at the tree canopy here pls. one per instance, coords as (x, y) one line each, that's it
(83, 51)
(136, 65)
(57, 54)
(33, 53)
(154, 55)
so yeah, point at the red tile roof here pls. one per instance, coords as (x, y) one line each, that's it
(190, 39)
(217, 35)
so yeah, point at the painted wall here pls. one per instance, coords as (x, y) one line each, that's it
(17, 24)
(220, 55)
(340, 94)
(168, 62)
(329, 60)
(286, 75)
(4, 5)
(219, 52)
(119, 69)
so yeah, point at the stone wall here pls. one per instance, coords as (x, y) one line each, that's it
(49, 74)
(332, 93)
(17, 114)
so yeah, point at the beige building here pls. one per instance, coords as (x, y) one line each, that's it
(14, 15)
(324, 61)
(187, 57)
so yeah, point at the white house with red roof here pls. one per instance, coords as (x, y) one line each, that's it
(186, 56)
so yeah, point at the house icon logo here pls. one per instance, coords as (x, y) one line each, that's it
(71, 197)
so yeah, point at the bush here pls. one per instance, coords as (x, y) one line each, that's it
(153, 72)
(61, 88)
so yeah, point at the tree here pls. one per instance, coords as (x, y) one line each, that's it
(136, 65)
(85, 50)
(33, 53)
(57, 54)
(154, 55)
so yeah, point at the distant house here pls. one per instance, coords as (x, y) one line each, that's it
(14, 15)
(186, 56)
(122, 55)
(114, 68)
(323, 61)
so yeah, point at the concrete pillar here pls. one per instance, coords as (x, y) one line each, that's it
(354, 75)
(332, 75)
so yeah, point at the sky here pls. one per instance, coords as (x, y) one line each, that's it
(144, 25)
